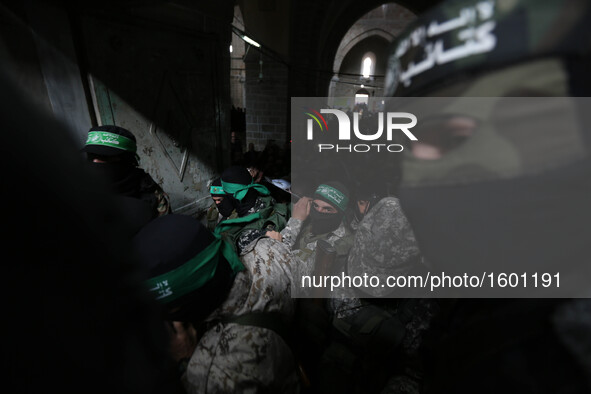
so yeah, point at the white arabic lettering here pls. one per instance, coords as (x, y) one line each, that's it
(477, 40)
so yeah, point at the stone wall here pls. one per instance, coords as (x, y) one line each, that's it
(267, 101)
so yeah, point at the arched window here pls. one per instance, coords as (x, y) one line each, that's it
(368, 65)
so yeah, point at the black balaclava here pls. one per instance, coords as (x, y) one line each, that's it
(336, 194)
(225, 207)
(167, 243)
(240, 175)
(122, 175)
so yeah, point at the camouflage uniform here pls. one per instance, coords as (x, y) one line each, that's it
(305, 245)
(239, 358)
(312, 322)
(249, 235)
(384, 245)
(366, 334)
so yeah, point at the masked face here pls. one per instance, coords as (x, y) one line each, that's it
(324, 217)
(121, 175)
(224, 206)
(243, 206)
(511, 196)
(114, 171)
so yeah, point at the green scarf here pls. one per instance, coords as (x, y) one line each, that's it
(239, 191)
(194, 273)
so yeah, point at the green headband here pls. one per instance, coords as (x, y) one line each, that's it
(194, 273)
(112, 140)
(333, 196)
(239, 191)
(243, 221)
(216, 190)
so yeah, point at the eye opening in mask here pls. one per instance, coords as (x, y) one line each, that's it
(323, 208)
(439, 135)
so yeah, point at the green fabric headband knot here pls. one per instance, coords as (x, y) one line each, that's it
(112, 140)
(194, 273)
(239, 191)
(218, 190)
(333, 196)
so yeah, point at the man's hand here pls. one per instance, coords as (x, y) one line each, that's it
(183, 340)
(301, 209)
(274, 235)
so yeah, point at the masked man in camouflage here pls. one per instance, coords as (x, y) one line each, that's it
(241, 307)
(325, 222)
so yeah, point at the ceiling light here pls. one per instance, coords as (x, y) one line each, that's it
(251, 41)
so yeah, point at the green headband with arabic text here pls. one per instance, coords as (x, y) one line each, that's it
(333, 196)
(217, 190)
(112, 140)
(194, 273)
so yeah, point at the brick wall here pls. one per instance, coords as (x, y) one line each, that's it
(267, 102)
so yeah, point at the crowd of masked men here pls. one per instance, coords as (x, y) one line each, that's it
(106, 290)
(224, 280)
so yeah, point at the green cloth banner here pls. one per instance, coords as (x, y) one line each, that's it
(112, 140)
(239, 191)
(222, 226)
(194, 273)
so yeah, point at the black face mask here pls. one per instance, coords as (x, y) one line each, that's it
(536, 223)
(323, 223)
(120, 175)
(225, 207)
(243, 206)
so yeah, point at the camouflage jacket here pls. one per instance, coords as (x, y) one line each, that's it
(232, 358)
(298, 236)
(384, 245)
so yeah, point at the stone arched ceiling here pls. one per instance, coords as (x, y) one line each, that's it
(317, 29)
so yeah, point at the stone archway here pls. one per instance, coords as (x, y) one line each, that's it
(346, 45)
(385, 21)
